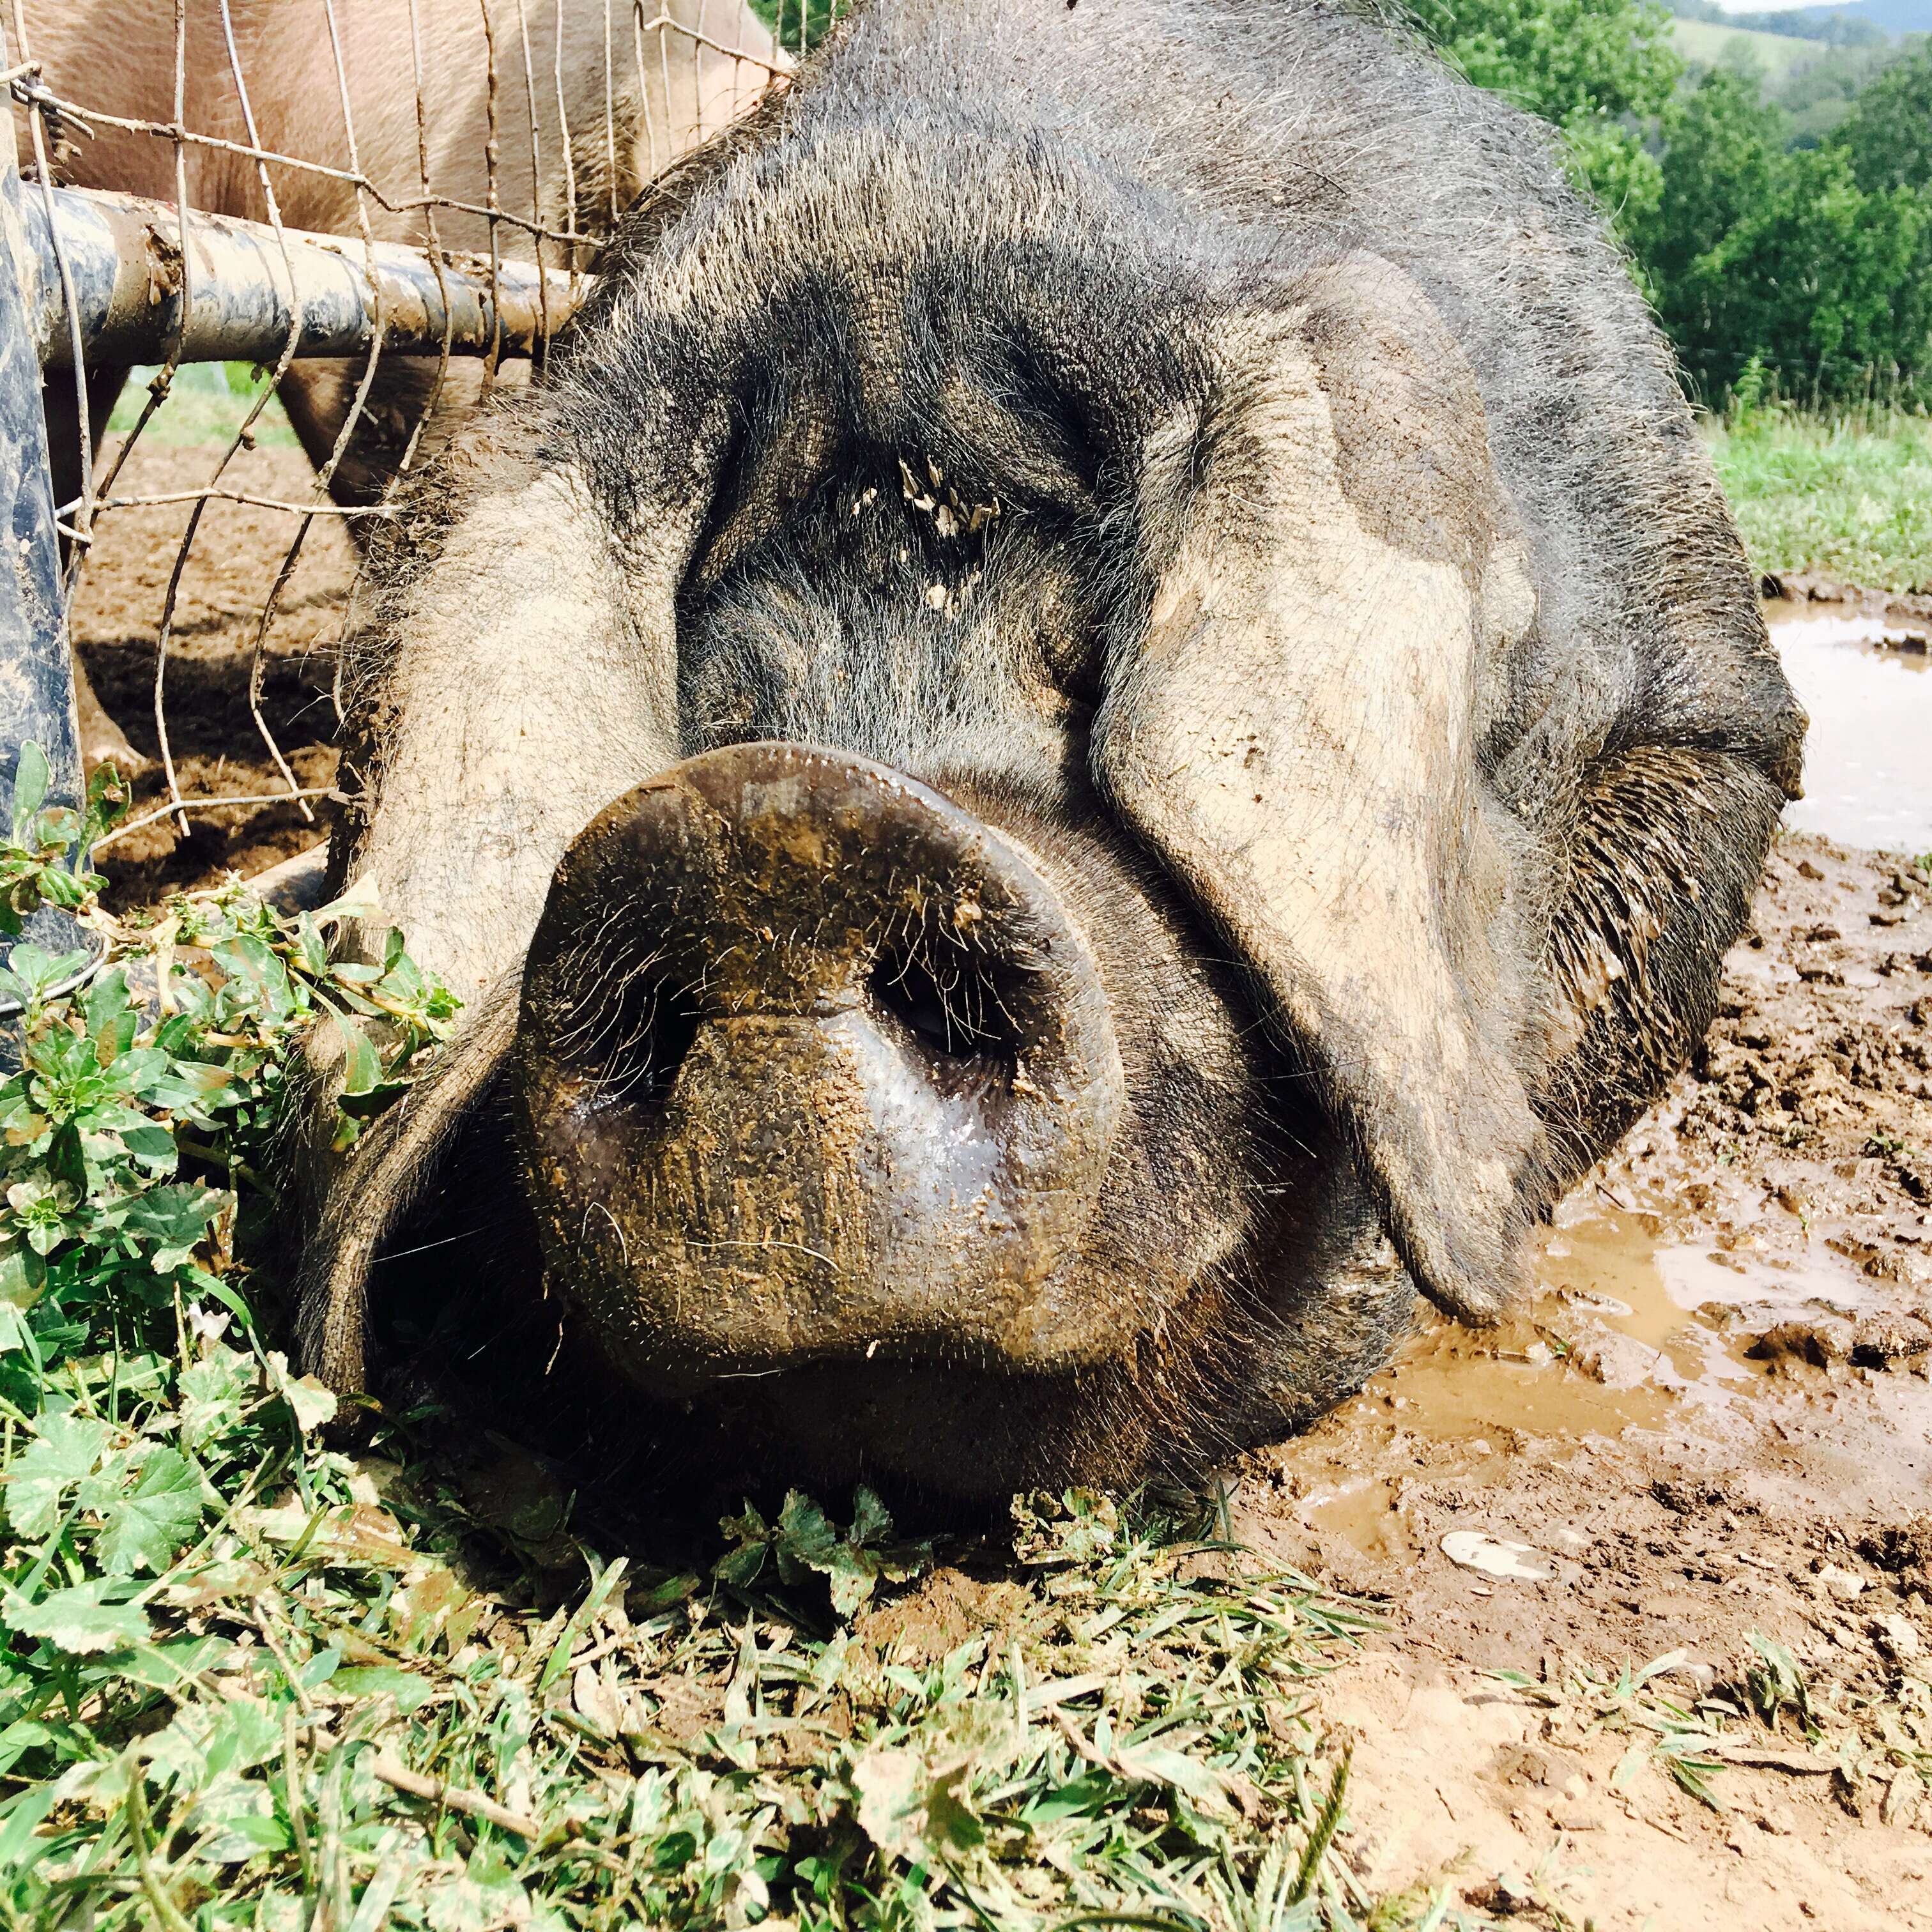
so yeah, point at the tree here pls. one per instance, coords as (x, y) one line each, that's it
(1720, 144)
(1567, 60)
(1597, 69)
(1888, 140)
(1809, 283)
(1889, 135)
(1815, 262)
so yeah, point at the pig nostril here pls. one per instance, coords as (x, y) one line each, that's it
(951, 1006)
(632, 1037)
(808, 1057)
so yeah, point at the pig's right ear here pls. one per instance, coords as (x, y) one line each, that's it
(1289, 719)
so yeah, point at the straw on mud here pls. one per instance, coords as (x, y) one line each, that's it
(175, 806)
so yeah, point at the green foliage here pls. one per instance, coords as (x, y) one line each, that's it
(803, 1542)
(1817, 96)
(133, 1431)
(1889, 136)
(1810, 263)
(1774, 1684)
(1721, 144)
(35, 859)
(1562, 59)
(1597, 69)
(206, 403)
(1807, 278)
(1809, 258)
(298, 1706)
(799, 25)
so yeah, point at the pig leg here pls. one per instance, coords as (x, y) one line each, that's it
(319, 394)
(102, 741)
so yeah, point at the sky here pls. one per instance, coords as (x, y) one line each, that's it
(1898, 16)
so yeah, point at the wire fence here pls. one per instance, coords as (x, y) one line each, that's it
(502, 138)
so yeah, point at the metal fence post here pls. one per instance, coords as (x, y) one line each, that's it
(37, 691)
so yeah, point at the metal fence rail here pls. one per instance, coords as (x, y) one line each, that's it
(246, 292)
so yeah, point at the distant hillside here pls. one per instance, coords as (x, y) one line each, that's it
(1895, 18)
(1704, 44)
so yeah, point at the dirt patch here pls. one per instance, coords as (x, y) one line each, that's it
(1715, 1423)
(1899, 607)
(1458, 1777)
(948, 1608)
(219, 752)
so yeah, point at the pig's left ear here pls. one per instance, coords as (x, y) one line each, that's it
(1331, 568)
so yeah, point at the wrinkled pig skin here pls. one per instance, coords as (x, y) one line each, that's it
(1105, 718)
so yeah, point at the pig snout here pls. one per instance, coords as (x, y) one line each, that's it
(812, 1064)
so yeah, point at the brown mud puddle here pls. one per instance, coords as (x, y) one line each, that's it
(1867, 686)
(1715, 1420)
(1633, 1324)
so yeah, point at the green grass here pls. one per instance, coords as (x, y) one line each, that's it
(1706, 43)
(1849, 499)
(207, 402)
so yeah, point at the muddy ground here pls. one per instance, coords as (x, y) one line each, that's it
(219, 751)
(1716, 1421)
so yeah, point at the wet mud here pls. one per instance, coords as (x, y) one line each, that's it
(1866, 682)
(1715, 1421)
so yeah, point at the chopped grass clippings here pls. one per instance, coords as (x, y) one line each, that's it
(1692, 1726)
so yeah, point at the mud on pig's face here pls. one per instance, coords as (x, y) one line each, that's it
(1027, 951)
(899, 1136)
(976, 1055)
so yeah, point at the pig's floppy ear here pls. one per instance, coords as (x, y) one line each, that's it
(1291, 720)
(528, 678)
(357, 1200)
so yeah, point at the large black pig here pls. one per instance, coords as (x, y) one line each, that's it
(1107, 719)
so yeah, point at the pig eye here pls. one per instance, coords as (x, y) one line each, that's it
(947, 998)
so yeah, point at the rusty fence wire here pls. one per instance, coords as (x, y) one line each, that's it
(417, 188)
